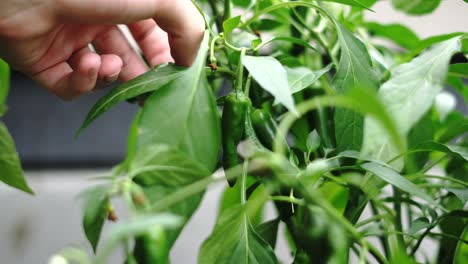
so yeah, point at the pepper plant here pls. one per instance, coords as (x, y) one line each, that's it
(354, 140)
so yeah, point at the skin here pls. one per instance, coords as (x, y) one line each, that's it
(49, 40)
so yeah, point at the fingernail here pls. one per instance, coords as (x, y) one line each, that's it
(92, 73)
(110, 79)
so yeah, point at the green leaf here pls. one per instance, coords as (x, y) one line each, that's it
(301, 77)
(355, 3)
(392, 177)
(269, 231)
(267, 24)
(165, 166)
(407, 96)
(418, 225)
(397, 33)
(313, 141)
(163, 170)
(461, 194)
(95, 214)
(133, 228)
(461, 253)
(423, 131)
(152, 80)
(287, 39)
(234, 240)
(271, 76)
(4, 82)
(11, 172)
(459, 151)
(426, 43)
(184, 115)
(354, 71)
(230, 24)
(459, 70)
(455, 125)
(416, 7)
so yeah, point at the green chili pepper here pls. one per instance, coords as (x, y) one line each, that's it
(151, 248)
(265, 127)
(236, 106)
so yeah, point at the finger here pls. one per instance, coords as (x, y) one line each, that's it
(179, 18)
(152, 40)
(67, 82)
(110, 68)
(112, 41)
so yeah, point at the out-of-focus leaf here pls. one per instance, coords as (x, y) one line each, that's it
(135, 227)
(419, 224)
(416, 7)
(394, 178)
(234, 240)
(230, 24)
(459, 151)
(4, 82)
(426, 43)
(397, 33)
(269, 231)
(408, 95)
(459, 70)
(461, 194)
(166, 166)
(313, 141)
(95, 214)
(461, 253)
(355, 70)
(11, 172)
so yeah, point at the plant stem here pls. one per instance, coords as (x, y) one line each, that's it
(432, 164)
(288, 200)
(227, 9)
(212, 49)
(420, 240)
(244, 182)
(398, 218)
(248, 83)
(240, 72)
(216, 15)
(370, 220)
(221, 70)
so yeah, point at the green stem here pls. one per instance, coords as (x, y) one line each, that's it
(207, 24)
(224, 70)
(420, 240)
(240, 72)
(288, 199)
(442, 178)
(370, 220)
(243, 194)
(227, 9)
(432, 164)
(216, 15)
(248, 83)
(398, 218)
(212, 49)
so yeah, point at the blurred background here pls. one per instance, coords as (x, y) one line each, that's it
(58, 166)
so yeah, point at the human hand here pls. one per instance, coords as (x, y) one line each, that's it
(49, 39)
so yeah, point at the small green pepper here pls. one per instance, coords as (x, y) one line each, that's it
(151, 248)
(265, 127)
(236, 106)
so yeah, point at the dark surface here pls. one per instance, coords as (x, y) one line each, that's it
(44, 128)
